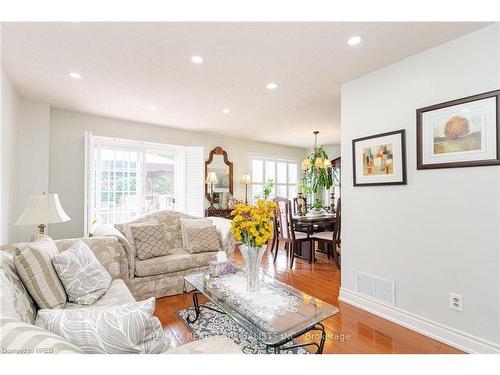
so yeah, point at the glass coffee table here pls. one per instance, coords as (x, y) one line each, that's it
(275, 315)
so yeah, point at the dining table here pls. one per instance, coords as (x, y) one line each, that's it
(311, 224)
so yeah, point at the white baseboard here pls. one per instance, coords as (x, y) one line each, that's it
(437, 331)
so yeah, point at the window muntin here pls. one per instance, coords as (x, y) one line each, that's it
(282, 171)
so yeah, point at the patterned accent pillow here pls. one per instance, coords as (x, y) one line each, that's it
(19, 337)
(34, 267)
(15, 301)
(150, 240)
(129, 328)
(83, 277)
(187, 224)
(203, 239)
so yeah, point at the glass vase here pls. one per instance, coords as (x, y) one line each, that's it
(252, 257)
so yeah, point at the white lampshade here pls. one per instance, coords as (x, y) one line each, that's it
(212, 178)
(43, 209)
(306, 164)
(246, 179)
(318, 163)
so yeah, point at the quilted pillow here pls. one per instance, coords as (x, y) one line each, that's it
(187, 224)
(203, 239)
(83, 277)
(15, 301)
(128, 328)
(34, 267)
(150, 240)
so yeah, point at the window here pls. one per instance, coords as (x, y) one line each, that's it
(283, 172)
(126, 179)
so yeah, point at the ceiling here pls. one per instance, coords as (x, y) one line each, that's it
(129, 67)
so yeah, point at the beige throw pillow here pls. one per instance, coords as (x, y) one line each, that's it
(83, 277)
(187, 224)
(150, 240)
(127, 232)
(203, 239)
(34, 266)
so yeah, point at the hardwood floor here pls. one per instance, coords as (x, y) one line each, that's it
(351, 331)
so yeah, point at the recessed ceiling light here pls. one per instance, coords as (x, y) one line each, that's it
(75, 75)
(153, 108)
(226, 111)
(271, 86)
(354, 40)
(197, 59)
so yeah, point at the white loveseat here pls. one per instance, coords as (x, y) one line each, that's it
(164, 276)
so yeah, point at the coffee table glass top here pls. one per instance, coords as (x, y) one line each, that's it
(274, 314)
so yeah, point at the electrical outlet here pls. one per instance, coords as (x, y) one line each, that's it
(456, 302)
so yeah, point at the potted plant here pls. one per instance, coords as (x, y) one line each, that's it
(317, 178)
(268, 188)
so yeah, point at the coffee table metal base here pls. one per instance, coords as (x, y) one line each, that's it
(279, 346)
(197, 306)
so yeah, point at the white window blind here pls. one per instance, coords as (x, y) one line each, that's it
(194, 188)
(282, 171)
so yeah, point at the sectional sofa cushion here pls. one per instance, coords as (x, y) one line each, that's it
(19, 337)
(203, 239)
(150, 240)
(33, 263)
(83, 277)
(129, 328)
(180, 260)
(117, 294)
(15, 301)
(208, 345)
(187, 224)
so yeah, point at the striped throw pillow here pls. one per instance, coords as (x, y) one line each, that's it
(34, 267)
(19, 337)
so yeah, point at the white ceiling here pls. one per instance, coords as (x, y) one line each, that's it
(129, 67)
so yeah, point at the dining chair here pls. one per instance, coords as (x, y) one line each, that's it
(292, 238)
(332, 238)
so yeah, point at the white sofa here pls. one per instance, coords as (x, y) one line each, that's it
(164, 276)
(18, 334)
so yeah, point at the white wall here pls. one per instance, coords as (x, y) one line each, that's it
(440, 233)
(67, 156)
(9, 136)
(32, 159)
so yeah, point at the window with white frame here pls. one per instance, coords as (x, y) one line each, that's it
(126, 179)
(282, 171)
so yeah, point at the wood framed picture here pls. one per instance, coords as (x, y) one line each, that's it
(459, 133)
(379, 159)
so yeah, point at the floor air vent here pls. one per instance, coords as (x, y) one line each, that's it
(375, 287)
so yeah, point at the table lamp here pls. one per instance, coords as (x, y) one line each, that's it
(211, 179)
(43, 209)
(246, 179)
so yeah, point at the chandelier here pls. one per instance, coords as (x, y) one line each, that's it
(317, 161)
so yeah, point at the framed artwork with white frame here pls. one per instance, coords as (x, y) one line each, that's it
(380, 159)
(459, 133)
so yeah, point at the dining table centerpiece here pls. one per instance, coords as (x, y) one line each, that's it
(253, 226)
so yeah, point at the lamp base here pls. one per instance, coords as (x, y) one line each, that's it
(41, 229)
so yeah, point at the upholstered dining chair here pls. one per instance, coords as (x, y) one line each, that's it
(332, 238)
(286, 232)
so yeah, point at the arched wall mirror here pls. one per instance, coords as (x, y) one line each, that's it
(219, 164)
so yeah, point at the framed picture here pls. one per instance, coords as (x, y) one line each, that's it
(460, 133)
(379, 159)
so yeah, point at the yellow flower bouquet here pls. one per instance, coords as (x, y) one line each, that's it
(252, 225)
